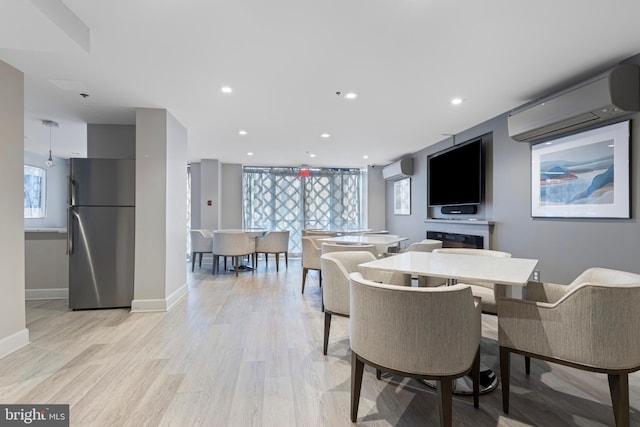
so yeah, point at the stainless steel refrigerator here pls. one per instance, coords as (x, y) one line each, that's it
(101, 230)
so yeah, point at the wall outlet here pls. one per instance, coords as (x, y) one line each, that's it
(536, 275)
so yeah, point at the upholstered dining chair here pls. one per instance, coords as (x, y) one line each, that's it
(426, 333)
(483, 290)
(328, 247)
(591, 324)
(274, 242)
(201, 243)
(336, 267)
(311, 252)
(234, 244)
(426, 245)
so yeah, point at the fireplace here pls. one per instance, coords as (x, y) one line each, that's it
(455, 240)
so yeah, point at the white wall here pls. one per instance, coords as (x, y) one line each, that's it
(195, 196)
(13, 331)
(161, 169)
(176, 208)
(210, 183)
(231, 196)
(111, 141)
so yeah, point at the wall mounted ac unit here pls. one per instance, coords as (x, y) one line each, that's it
(603, 99)
(400, 169)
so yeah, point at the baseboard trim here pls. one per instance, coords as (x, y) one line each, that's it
(150, 305)
(37, 294)
(176, 296)
(14, 342)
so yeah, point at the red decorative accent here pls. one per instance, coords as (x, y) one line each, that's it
(305, 172)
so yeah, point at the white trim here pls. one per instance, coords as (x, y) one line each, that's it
(14, 342)
(37, 294)
(176, 296)
(148, 305)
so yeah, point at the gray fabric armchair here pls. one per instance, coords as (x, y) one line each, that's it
(591, 324)
(311, 252)
(336, 267)
(234, 244)
(201, 243)
(274, 242)
(431, 333)
(328, 247)
(426, 245)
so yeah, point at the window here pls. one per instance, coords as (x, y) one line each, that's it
(293, 199)
(35, 192)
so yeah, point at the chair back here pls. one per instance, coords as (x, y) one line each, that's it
(323, 233)
(336, 267)
(427, 245)
(328, 247)
(232, 243)
(273, 242)
(201, 240)
(422, 331)
(311, 253)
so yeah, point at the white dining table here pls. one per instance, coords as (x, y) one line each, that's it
(458, 267)
(504, 271)
(366, 239)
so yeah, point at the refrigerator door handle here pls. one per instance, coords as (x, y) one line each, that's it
(70, 231)
(70, 190)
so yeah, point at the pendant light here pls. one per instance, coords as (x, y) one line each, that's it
(50, 124)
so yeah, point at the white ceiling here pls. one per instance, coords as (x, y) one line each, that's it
(286, 59)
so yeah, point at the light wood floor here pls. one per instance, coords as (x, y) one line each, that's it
(247, 351)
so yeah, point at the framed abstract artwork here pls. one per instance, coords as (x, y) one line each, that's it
(585, 175)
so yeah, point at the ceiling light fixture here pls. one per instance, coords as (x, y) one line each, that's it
(456, 101)
(325, 135)
(50, 124)
(242, 132)
(350, 95)
(312, 155)
(250, 153)
(226, 89)
(365, 157)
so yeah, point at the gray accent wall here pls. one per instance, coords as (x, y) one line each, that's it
(565, 247)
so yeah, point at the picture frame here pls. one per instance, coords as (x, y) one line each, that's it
(402, 197)
(585, 175)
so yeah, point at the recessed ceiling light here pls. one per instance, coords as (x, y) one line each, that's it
(312, 155)
(365, 157)
(456, 101)
(350, 95)
(242, 132)
(325, 135)
(226, 89)
(250, 153)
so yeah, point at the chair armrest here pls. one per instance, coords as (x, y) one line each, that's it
(577, 327)
(544, 292)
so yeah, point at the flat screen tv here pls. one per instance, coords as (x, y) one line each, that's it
(456, 175)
